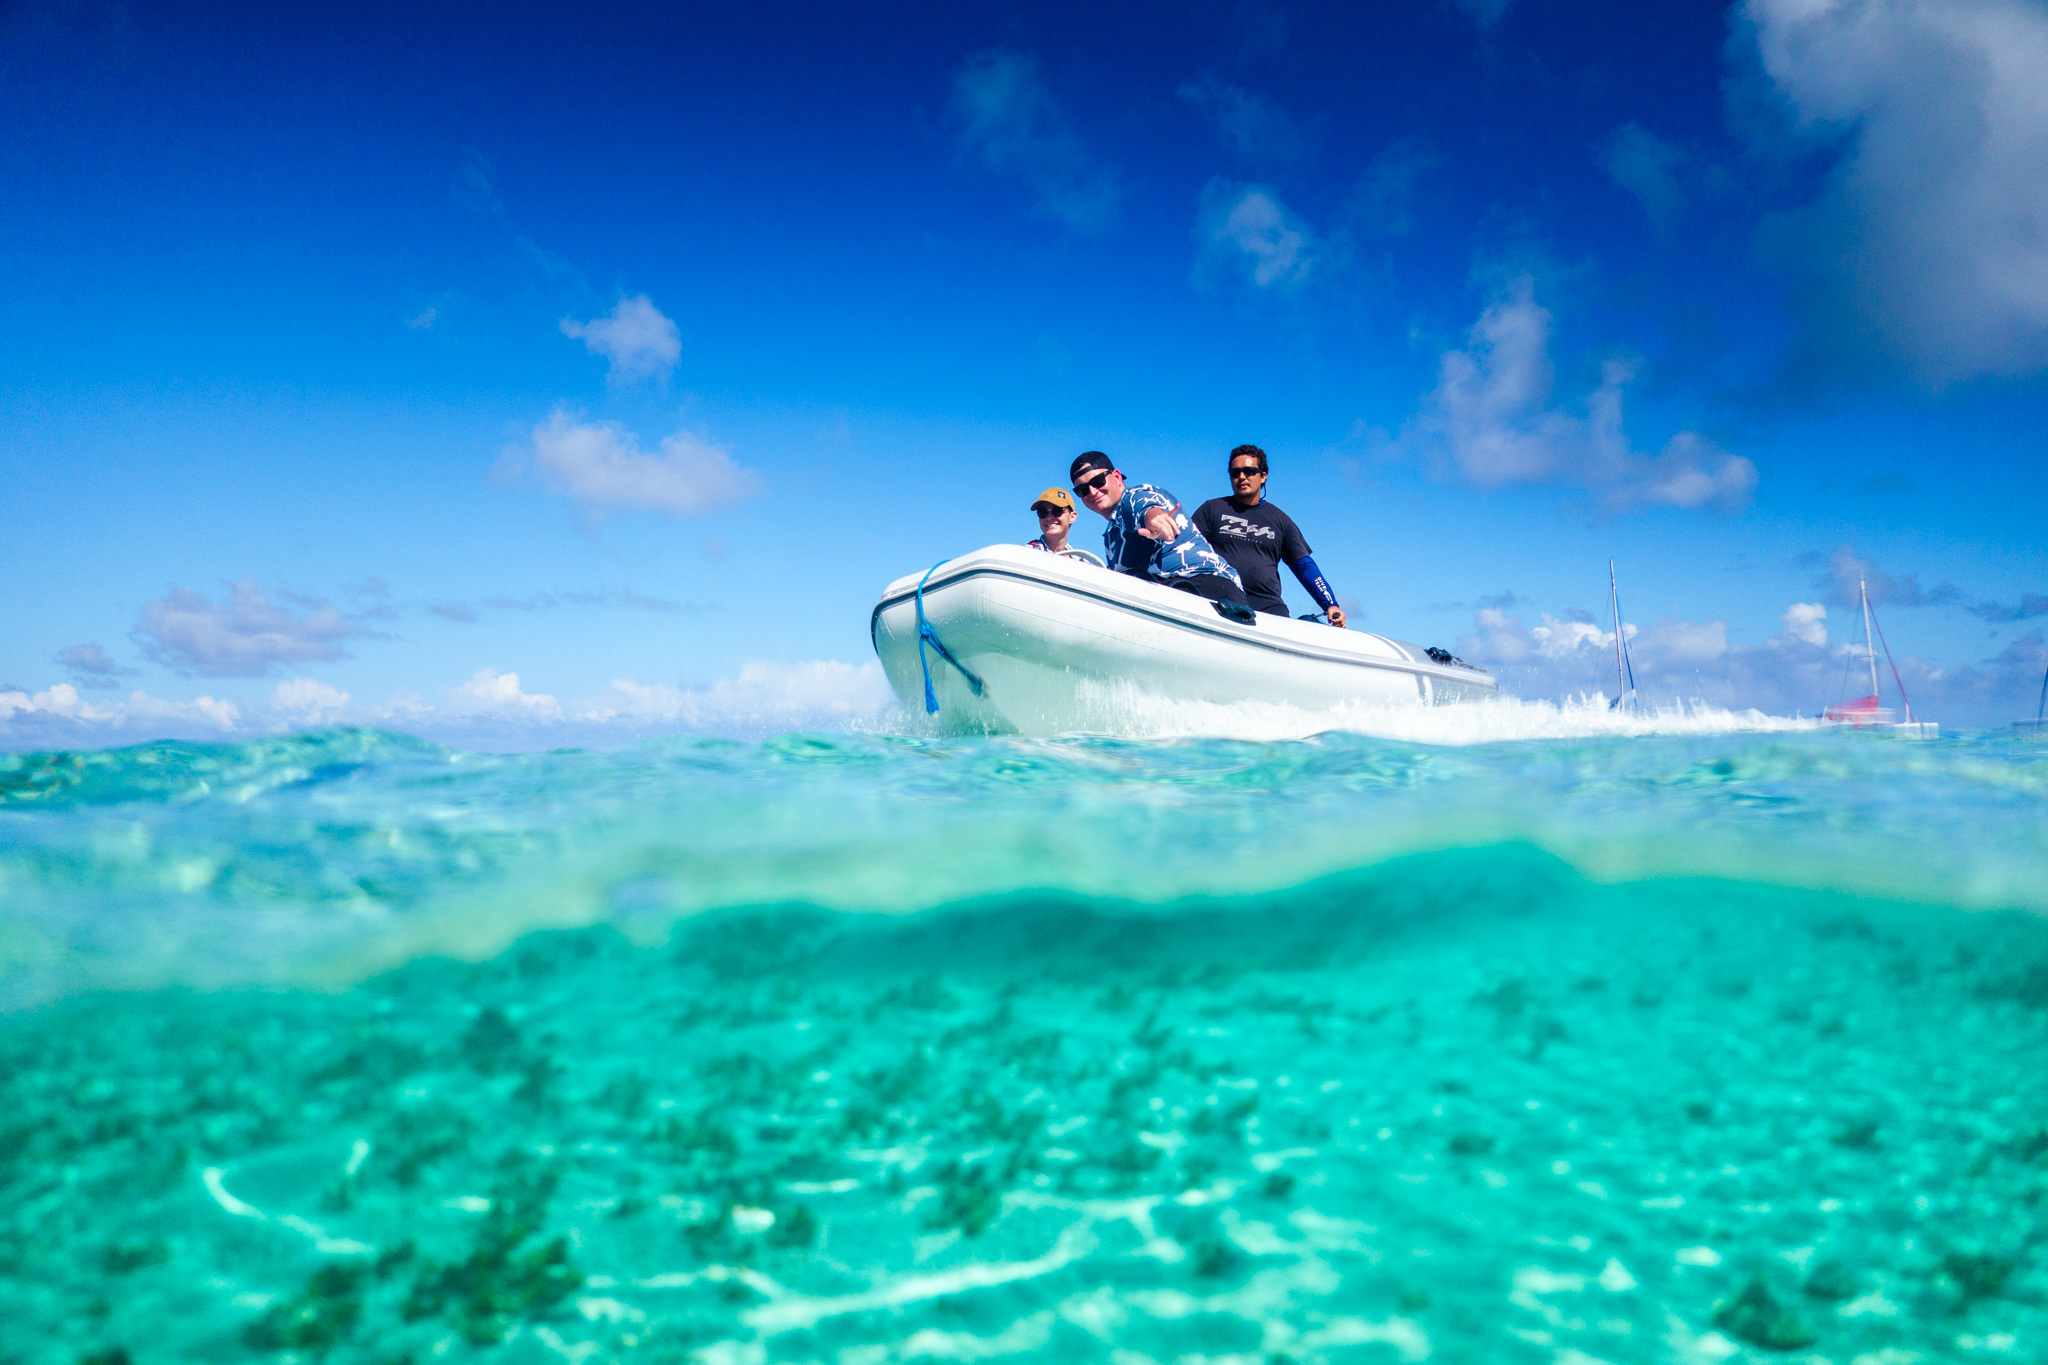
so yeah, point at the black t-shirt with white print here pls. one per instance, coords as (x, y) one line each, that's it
(1256, 540)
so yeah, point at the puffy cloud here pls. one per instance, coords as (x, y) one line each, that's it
(1842, 569)
(817, 694)
(1794, 672)
(601, 464)
(221, 715)
(1491, 419)
(639, 342)
(243, 637)
(2030, 605)
(62, 700)
(1008, 120)
(1804, 622)
(1672, 659)
(1383, 203)
(307, 700)
(493, 710)
(91, 665)
(1248, 226)
(58, 716)
(1647, 167)
(1251, 128)
(489, 692)
(423, 322)
(1928, 245)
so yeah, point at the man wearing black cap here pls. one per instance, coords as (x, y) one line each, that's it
(1255, 536)
(1150, 537)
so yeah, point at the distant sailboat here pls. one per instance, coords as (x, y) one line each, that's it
(1624, 667)
(1867, 713)
(2039, 724)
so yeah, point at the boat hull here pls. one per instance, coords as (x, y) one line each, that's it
(1906, 729)
(1062, 647)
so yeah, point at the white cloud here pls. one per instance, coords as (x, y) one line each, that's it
(493, 710)
(491, 693)
(1793, 672)
(61, 700)
(221, 715)
(424, 321)
(1647, 167)
(1842, 570)
(1491, 419)
(241, 638)
(2030, 605)
(1251, 128)
(1804, 622)
(601, 464)
(1383, 203)
(822, 693)
(1673, 659)
(59, 714)
(1248, 226)
(1008, 120)
(92, 666)
(308, 700)
(639, 342)
(1929, 243)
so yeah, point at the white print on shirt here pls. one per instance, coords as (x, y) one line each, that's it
(1237, 526)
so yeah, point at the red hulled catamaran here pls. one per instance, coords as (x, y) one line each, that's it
(1869, 713)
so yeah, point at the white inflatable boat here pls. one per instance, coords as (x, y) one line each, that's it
(1018, 641)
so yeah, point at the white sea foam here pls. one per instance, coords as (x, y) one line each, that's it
(1129, 714)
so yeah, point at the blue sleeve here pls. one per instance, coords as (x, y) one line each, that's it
(1312, 578)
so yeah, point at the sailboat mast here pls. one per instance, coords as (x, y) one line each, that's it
(1614, 601)
(1869, 635)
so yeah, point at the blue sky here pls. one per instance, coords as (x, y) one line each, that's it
(353, 364)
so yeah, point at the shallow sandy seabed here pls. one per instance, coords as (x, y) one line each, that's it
(1466, 1108)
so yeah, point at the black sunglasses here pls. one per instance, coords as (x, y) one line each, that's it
(1090, 485)
(1046, 509)
(1244, 471)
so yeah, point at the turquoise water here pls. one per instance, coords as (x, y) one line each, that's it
(1694, 1046)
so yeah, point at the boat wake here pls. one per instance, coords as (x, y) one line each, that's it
(1125, 712)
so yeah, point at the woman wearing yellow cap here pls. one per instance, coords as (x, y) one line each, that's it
(1055, 509)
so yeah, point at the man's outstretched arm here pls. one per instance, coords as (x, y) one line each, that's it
(1318, 587)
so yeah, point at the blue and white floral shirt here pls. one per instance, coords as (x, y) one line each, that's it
(1187, 555)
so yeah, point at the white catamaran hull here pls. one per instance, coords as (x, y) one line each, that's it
(1061, 646)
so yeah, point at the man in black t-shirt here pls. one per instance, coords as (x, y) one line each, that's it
(1255, 536)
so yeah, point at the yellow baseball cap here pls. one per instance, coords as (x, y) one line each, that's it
(1057, 496)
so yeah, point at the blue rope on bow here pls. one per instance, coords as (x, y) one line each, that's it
(924, 633)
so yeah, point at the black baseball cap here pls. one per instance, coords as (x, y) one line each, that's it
(1085, 461)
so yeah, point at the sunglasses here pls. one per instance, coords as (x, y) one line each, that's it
(1046, 509)
(1090, 485)
(1245, 471)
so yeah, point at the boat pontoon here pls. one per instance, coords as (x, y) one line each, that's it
(1014, 640)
